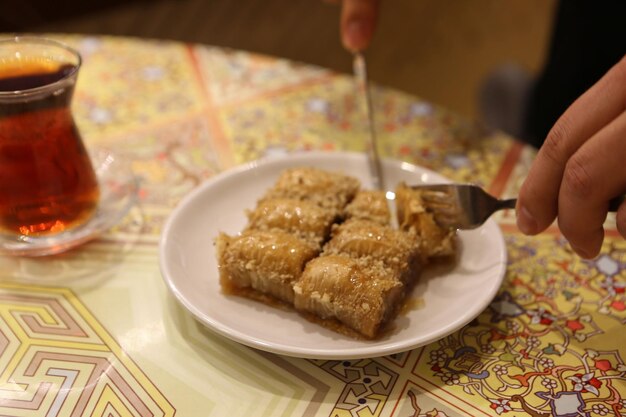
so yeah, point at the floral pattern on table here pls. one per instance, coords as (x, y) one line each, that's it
(232, 77)
(169, 162)
(550, 344)
(125, 85)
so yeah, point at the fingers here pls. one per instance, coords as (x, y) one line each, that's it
(358, 21)
(540, 196)
(593, 175)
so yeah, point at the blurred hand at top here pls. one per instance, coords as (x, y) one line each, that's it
(357, 23)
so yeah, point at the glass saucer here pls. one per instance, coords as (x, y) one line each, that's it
(118, 193)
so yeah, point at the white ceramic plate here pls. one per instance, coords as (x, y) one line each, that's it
(448, 297)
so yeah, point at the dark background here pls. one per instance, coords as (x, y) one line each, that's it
(438, 50)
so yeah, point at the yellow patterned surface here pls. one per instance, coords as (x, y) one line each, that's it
(95, 332)
(56, 358)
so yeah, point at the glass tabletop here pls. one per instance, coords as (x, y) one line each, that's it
(96, 331)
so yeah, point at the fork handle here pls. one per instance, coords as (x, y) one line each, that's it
(506, 204)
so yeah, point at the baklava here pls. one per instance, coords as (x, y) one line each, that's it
(319, 244)
(265, 261)
(358, 294)
(415, 217)
(286, 229)
(329, 190)
(369, 205)
(303, 219)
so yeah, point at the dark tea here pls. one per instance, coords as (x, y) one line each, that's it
(47, 182)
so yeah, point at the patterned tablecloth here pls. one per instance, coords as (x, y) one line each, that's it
(95, 331)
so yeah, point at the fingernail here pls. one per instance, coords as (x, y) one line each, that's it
(583, 253)
(356, 35)
(592, 246)
(526, 223)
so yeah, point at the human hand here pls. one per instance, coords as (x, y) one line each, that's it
(580, 167)
(357, 23)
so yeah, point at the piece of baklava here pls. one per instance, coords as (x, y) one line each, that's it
(363, 274)
(285, 230)
(369, 205)
(326, 248)
(360, 294)
(330, 190)
(268, 262)
(367, 239)
(301, 218)
(413, 216)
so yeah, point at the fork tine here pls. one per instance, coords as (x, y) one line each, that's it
(449, 210)
(446, 220)
(443, 188)
(438, 194)
(463, 206)
(440, 197)
(447, 223)
(436, 197)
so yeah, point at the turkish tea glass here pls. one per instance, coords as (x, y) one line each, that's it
(47, 182)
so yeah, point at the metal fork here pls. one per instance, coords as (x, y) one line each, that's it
(466, 206)
(461, 206)
(362, 83)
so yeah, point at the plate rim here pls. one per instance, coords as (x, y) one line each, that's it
(367, 351)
